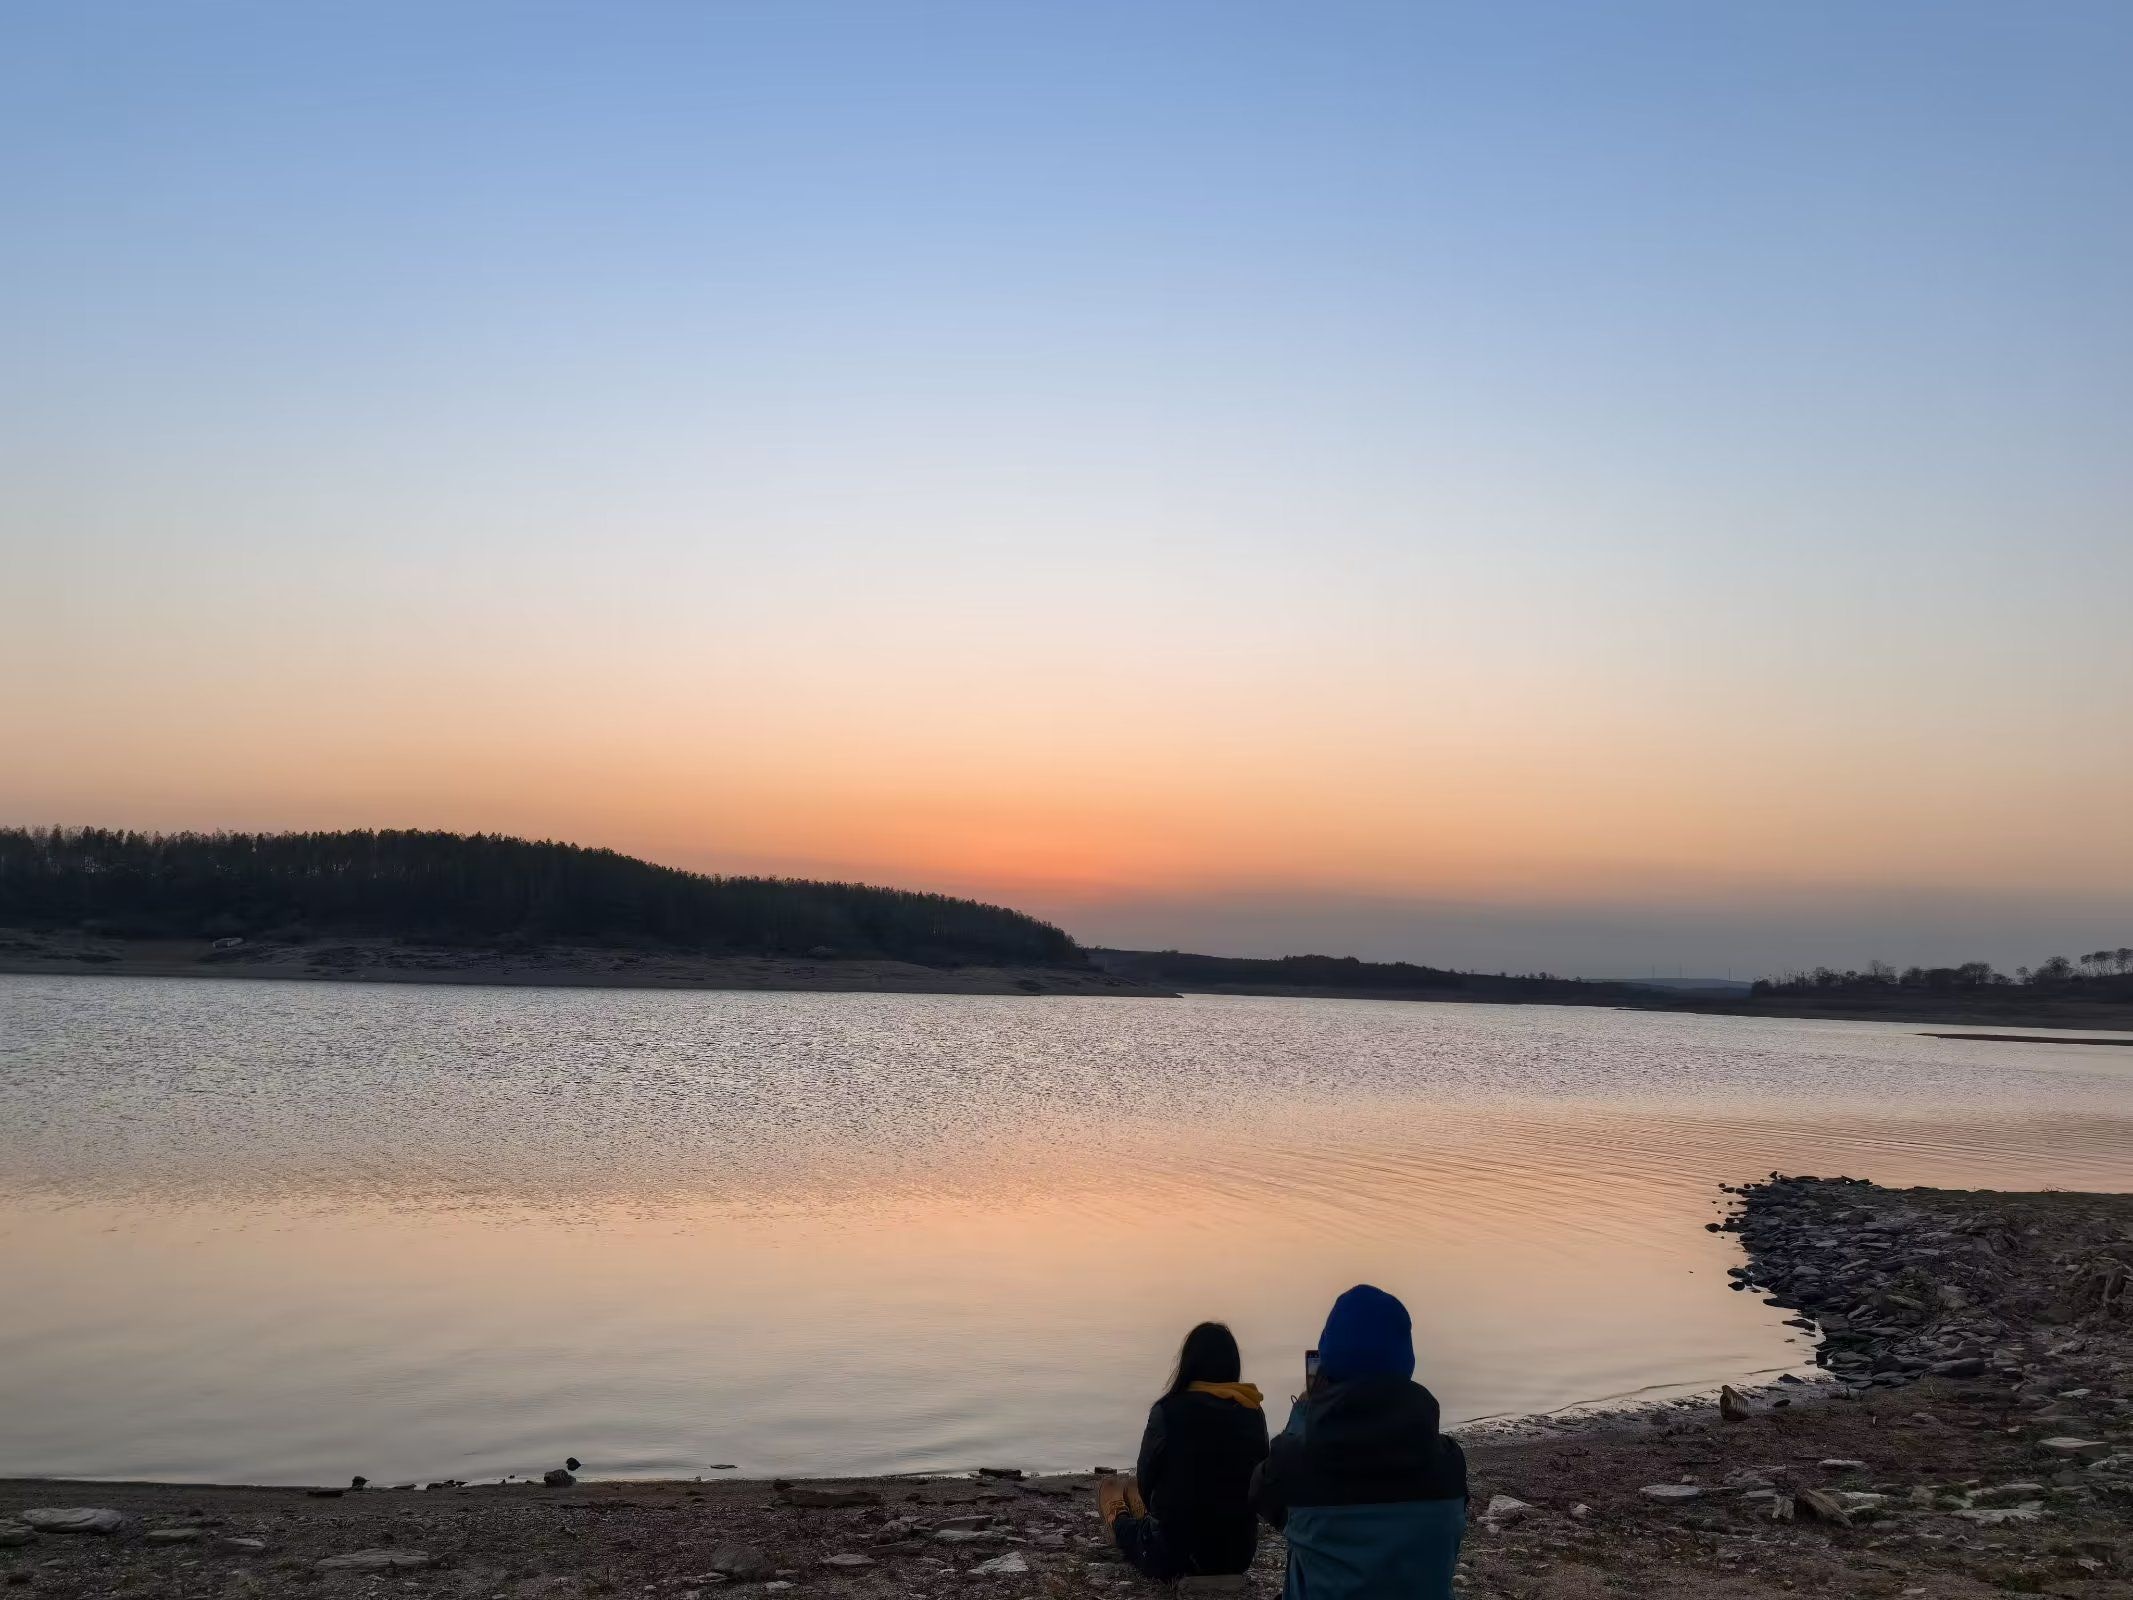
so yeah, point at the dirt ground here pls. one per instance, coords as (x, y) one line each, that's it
(2011, 1473)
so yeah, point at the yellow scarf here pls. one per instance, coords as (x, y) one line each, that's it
(1245, 1394)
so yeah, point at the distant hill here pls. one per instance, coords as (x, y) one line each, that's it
(1307, 975)
(1696, 985)
(481, 890)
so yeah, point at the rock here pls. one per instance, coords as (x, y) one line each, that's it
(1731, 1406)
(73, 1519)
(999, 1472)
(1581, 1511)
(741, 1561)
(571, 1464)
(236, 1545)
(380, 1559)
(776, 1585)
(847, 1559)
(1504, 1510)
(958, 1536)
(1996, 1516)
(14, 1533)
(1008, 1566)
(1821, 1503)
(359, 1482)
(1842, 1464)
(557, 1478)
(1966, 1367)
(827, 1499)
(173, 1535)
(2067, 1445)
(1670, 1492)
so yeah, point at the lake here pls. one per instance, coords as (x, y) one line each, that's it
(289, 1232)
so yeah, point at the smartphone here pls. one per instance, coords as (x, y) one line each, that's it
(1310, 1368)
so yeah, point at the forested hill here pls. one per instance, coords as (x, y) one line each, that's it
(480, 889)
(1346, 975)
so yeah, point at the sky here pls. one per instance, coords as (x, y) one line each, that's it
(1533, 486)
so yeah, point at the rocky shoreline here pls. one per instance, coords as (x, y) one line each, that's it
(1974, 1438)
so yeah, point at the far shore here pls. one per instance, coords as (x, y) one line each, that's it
(568, 967)
(373, 960)
(1974, 1437)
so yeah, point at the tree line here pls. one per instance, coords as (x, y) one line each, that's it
(1186, 970)
(480, 889)
(2059, 972)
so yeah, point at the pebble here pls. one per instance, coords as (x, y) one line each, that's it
(847, 1559)
(1010, 1565)
(1670, 1491)
(14, 1533)
(2067, 1445)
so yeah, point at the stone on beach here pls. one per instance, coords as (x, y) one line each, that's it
(1010, 1565)
(73, 1519)
(1504, 1510)
(557, 1478)
(380, 1559)
(827, 1499)
(2067, 1445)
(847, 1559)
(1670, 1491)
(741, 1561)
(14, 1533)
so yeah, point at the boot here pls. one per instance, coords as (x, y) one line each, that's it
(1111, 1498)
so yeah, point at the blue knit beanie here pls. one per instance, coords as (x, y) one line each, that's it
(1367, 1336)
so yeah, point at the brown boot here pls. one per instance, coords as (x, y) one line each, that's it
(1111, 1498)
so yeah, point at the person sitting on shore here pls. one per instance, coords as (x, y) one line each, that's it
(1188, 1510)
(1371, 1496)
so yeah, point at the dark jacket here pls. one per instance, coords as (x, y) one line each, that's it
(1197, 1458)
(1371, 1495)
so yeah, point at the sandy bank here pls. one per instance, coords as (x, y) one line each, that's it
(386, 961)
(1978, 1442)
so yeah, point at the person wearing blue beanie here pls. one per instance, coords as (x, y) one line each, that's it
(1371, 1496)
(1368, 1335)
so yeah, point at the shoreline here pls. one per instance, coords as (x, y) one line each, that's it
(556, 967)
(1975, 1436)
(2098, 1019)
(580, 967)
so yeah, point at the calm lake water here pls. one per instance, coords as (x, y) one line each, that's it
(289, 1232)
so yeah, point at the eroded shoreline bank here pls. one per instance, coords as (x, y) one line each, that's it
(1975, 1438)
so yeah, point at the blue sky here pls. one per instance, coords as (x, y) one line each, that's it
(1654, 466)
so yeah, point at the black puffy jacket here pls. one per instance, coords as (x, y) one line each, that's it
(1195, 1470)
